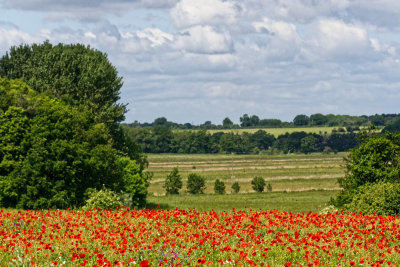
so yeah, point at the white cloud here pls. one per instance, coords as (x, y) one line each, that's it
(11, 37)
(340, 41)
(88, 11)
(203, 39)
(189, 13)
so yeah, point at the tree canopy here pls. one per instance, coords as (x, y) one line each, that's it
(52, 153)
(76, 73)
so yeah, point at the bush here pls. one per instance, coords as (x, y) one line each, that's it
(219, 187)
(103, 199)
(376, 160)
(269, 187)
(258, 184)
(173, 182)
(196, 184)
(379, 198)
(235, 187)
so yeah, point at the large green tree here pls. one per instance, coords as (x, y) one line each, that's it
(52, 153)
(79, 75)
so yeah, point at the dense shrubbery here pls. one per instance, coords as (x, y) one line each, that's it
(376, 198)
(103, 199)
(372, 179)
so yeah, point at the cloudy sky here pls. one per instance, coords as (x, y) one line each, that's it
(198, 60)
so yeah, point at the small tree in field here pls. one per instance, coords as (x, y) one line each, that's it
(196, 184)
(258, 184)
(173, 182)
(219, 187)
(235, 187)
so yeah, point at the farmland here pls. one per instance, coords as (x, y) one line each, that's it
(299, 182)
(276, 131)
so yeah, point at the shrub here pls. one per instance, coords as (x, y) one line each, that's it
(196, 184)
(173, 182)
(235, 187)
(103, 199)
(378, 198)
(376, 160)
(219, 187)
(258, 184)
(269, 187)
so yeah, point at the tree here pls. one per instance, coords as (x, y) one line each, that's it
(301, 120)
(254, 120)
(160, 121)
(308, 144)
(376, 160)
(258, 184)
(173, 183)
(318, 119)
(78, 73)
(227, 123)
(219, 187)
(52, 153)
(262, 140)
(235, 187)
(245, 120)
(196, 184)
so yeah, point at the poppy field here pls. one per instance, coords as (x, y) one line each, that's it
(128, 237)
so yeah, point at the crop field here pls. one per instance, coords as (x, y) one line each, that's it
(296, 172)
(277, 131)
(129, 237)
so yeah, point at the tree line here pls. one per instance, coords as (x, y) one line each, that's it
(161, 139)
(300, 120)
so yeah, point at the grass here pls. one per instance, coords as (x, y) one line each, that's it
(296, 172)
(295, 202)
(300, 183)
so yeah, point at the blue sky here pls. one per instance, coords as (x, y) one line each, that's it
(192, 61)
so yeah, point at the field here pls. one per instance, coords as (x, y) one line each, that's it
(277, 228)
(299, 182)
(178, 237)
(277, 131)
(296, 172)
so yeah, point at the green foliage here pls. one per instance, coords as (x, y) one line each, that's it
(52, 153)
(375, 160)
(173, 183)
(103, 199)
(219, 187)
(78, 73)
(378, 198)
(308, 144)
(235, 187)
(258, 184)
(196, 184)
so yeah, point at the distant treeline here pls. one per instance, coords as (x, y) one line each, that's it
(161, 139)
(301, 120)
